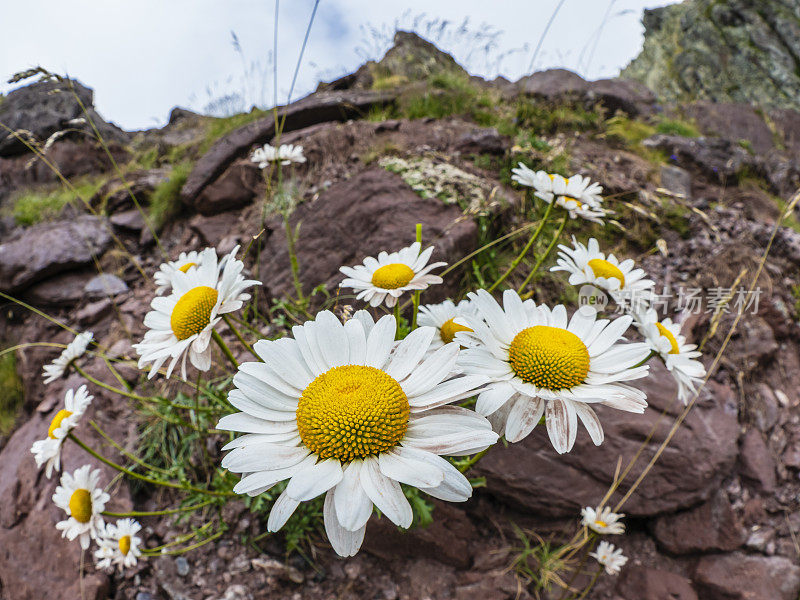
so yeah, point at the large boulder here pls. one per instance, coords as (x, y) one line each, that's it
(45, 250)
(716, 158)
(373, 211)
(532, 477)
(740, 576)
(46, 107)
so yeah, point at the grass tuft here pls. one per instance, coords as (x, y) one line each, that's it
(165, 203)
(36, 206)
(11, 392)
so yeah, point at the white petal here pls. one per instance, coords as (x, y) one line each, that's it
(492, 398)
(315, 480)
(357, 340)
(353, 506)
(405, 466)
(263, 457)
(434, 369)
(409, 352)
(386, 494)
(523, 417)
(590, 421)
(283, 508)
(345, 543)
(380, 341)
(562, 424)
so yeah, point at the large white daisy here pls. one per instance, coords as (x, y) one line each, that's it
(576, 194)
(181, 324)
(587, 265)
(48, 451)
(610, 557)
(83, 501)
(446, 318)
(602, 520)
(390, 275)
(74, 350)
(119, 545)
(665, 338)
(284, 154)
(184, 262)
(342, 410)
(541, 363)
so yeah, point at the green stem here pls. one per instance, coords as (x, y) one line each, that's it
(397, 313)
(156, 550)
(192, 547)
(649, 356)
(544, 256)
(239, 337)
(124, 452)
(224, 347)
(418, 293)
(108, 387)
(591, 584)
(129, 473)
(473, 461)
(525, 250)
(156, 513)
(293, 258)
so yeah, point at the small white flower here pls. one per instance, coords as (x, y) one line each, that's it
(664, 337)
(119, 545)
(576, 194)
(341, 410)
(602, 520)
(609, 557)
(285, 154)
(184, 262)
(182, 323)
(48, 451)
(83, 501)
(446, 318)
(540, 363)
(390, 275)
(73, 351)
(587, 265)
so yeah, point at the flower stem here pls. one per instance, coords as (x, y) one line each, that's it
(239, 337)
(110, 388)
(124, 452)
(224, 347)
(128, 472)
(525, 250)
(192, 547)
(293, 258)
(473, 461)
(591, 584)
(418, 293)
(156, 513)
(544, 256)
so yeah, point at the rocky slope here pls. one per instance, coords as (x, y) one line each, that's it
(722, 51)
(696, 189)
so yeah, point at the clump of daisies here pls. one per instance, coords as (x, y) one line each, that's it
(48, 451)
(285, 154)
(74, 350)
(665, 339)
(609, 557)
(181, 325)
(119, 545)
(447, 318)
(577, 194)
(184, 262)
(384, 279)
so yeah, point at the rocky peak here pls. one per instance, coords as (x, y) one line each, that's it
(723, 51)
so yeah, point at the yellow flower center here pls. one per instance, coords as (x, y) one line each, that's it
(549, 357)
(56, 422)
(603, 268)
(602, 524)
(393, 276)
(193, 311)
(352, 412)
(125, 544)
(186, 267)
(675, 349)
(80, 505)
(449, 330)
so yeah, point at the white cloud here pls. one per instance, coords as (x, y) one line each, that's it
(144, 57)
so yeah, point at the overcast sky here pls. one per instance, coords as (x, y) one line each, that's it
(143, 57)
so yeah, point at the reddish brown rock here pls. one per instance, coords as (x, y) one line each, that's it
(740, 576)
(531, 476)
(644, 583)
(373, 211)
(734, 122)
(235, 188)
(711, 526)
(757, 464)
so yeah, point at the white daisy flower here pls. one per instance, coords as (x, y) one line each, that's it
(181, 324)
(81, 498)
(73, 351)
(541, 363)
(446, 318)
(119, 545)
(609, 557)
(389, 275)
(664, 337)
(576, 194)
(587, 265)
(163, 277)
(285, 154)
(48, 451)
(602, 520)
(339, 409)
